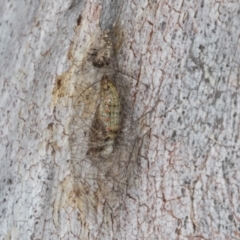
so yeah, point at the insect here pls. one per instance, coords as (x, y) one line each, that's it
(108, 108)
(104, 107)
(107, 120)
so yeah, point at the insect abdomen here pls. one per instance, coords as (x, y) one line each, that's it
(109, 108)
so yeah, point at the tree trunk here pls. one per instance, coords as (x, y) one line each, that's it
(174, 169)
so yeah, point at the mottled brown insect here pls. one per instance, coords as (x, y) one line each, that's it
(107, 120)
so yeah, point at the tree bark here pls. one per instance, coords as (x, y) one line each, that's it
(174, 170)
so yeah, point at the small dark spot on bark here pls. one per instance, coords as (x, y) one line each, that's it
(218, 95)
(10, 181)
(230, 217)
(185, 221)
(4, 211)
(207, 80)
(59, 83)
(180, 120)
(174, 134)
(183, 191)
(50, 177)
(174, 36)
(201, 47)
(163, 25)
(195, 15)
(79, 19)
(187, 182)
(235, 102)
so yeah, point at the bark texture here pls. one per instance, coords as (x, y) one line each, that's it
(175, 170)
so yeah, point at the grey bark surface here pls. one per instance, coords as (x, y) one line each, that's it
(181, 59)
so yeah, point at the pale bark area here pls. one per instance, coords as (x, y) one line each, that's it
(186, 173)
